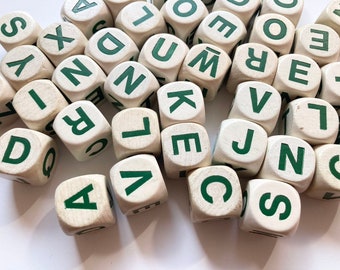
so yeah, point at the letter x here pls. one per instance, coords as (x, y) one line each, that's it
(59, 38)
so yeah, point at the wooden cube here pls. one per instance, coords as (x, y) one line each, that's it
(319, 42)
(330, 16)
(163, 55)
(185, 147)
(61, 40)
(110, 47)
(275, 31)
(291, 10)
(325, 184)
(257, 102)
(245, 10)
(243, 149)
(38, 103)
(311, 119)
(252, 62)
(271, 208)
(130, 84)
(183, 17)
(80, 78)
(27, 156)
(8, 114)
(116, 6)
(221, 28)
(83, 129)
(205, 65)
(140, 20)
(89, 17)
(297, 75)
(24, 64)
(214, 193)
(138, 184)
(18, 28)
(289, 159)
(330, 83)
(84, 204)
(135, 131)
(180, 102)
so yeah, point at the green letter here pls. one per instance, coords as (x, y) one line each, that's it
(59, 38)
(324, 40)
(109, 37)
(286, 5)
(83, 121)
(86, 204)
(181, 95)
(147, 16)
(204, 63)
(295, 70)
(37, 99)
(136, 133)
(186, 138)
(285, 152)
(258, 106)
(332, 167)
(323, 114)
(247, 144)
(275, 205)
(216, 179)
(261, 61)
(268, 24)
(128, 75)
(238, 3)
(179, 13)
(224, 24)
(21, 63)
(48, 169)
(83, 5)
(25, 146)
(142, 175)
(103, 143)
(69, 72)
(168, 54)
(15, 30)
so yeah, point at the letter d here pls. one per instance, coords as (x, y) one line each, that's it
(17, 150)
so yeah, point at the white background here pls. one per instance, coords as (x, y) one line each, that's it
(164, 237)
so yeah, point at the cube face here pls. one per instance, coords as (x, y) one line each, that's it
(319, 42)
(244, 148)
(329, 16)
(27, 156)
(38, 103)
(275, 31)
(135, 131)
(325, 184)
(205, 65)
(257, 102)
(270, 208)
(7, 112)
(311, 119)
(25, 63)
(84, 204)
(330, 82)
(163, 55)
(138, 184)
(180, 102)
(83, 129)
(289, 159)
(252, 62)
(80, 78)
(110, 47)
(12, 36)
(291, 10)
(185, 146)
(222, 29)
(298, 76)
(144, 20)
(183, 16)
(61, 40)
(245, 10)
(214, 193)
(88, 17)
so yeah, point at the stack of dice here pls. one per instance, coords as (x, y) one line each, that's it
(158, 62)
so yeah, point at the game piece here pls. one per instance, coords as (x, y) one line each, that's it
(330, 83)
(138, 184)
(8, 114)
(331, 16)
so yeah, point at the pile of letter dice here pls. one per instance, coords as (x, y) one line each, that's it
(159, 62)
